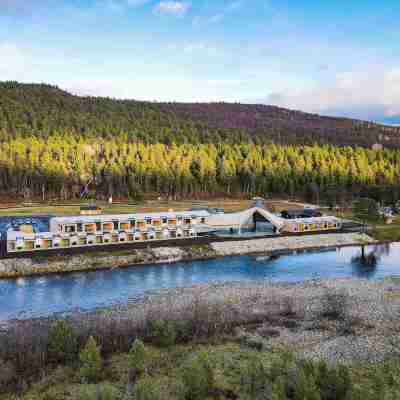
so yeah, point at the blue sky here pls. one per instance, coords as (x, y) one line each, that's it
(330, 57)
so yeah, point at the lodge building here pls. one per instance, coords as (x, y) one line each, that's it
(92, 230)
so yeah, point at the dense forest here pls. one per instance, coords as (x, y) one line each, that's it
(54, 144)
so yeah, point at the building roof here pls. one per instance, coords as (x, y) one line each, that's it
(125, 217)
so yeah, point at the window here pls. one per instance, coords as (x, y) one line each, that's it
(164, 220)
(203, 220)
(79, 228)
(70, 228)
(148, 221)
(179, 218)
(98, 226)
(115, 225)
(132, 222)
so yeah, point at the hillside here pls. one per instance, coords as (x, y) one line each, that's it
(43, 110)
(54, 145)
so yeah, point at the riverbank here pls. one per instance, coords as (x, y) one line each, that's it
(337, 320)
(39, 265)
(249, 332)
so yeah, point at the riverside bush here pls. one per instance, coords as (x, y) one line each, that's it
(137, 358)
(100, 392)
(335, 305)
(305, 387)
(198, 377)
(163, 333)
(91, 361)
(146, 389)
(62, 344)
(253, 377)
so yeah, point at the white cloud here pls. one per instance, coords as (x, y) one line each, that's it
(369, 94)
(170, 7)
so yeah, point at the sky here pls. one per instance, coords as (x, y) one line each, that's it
(329, 57)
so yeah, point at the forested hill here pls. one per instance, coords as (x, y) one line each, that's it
(54, 145)
(42, 110)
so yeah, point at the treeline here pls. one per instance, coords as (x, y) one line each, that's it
(62, 166)
(56, 145)
(43, 111)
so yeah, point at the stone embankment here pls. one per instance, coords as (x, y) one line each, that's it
(10, 268)
(290, 243)
(17, 267)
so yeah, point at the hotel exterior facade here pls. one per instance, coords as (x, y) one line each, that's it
(99, 230)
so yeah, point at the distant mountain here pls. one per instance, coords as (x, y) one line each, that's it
(43, 110)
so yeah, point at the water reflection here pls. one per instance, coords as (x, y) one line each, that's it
(37, 296)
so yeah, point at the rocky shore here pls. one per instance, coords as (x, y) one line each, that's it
(13, 268)
(338, 320)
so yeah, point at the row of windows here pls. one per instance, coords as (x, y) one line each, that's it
(115, 225)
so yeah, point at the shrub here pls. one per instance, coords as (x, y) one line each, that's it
(62, 344)
(198, 377)
(137, 358)
(279, 390)
(253, 377)
(305, 387)
(91, 362)
(163, 333)
(7, 373)
(333, 383)
(100, 392)
(335, 305)
(145, 389)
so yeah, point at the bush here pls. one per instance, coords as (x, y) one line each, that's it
(305, 387)
(145, 389)
(91, 362)
(7, 373)
(198, 377)
(335, 305)
(332, 383)
(279, 390)
(163, 333)
(137, 358)
(62, 344)
(100, 392)
(253, 377)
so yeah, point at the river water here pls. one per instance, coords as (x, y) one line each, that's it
(45, 295)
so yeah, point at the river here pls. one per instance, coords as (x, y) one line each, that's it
(45, 295)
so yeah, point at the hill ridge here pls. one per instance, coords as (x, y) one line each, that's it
(43, 109)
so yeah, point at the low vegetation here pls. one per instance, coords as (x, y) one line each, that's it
(218, 368)
(215, 351)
